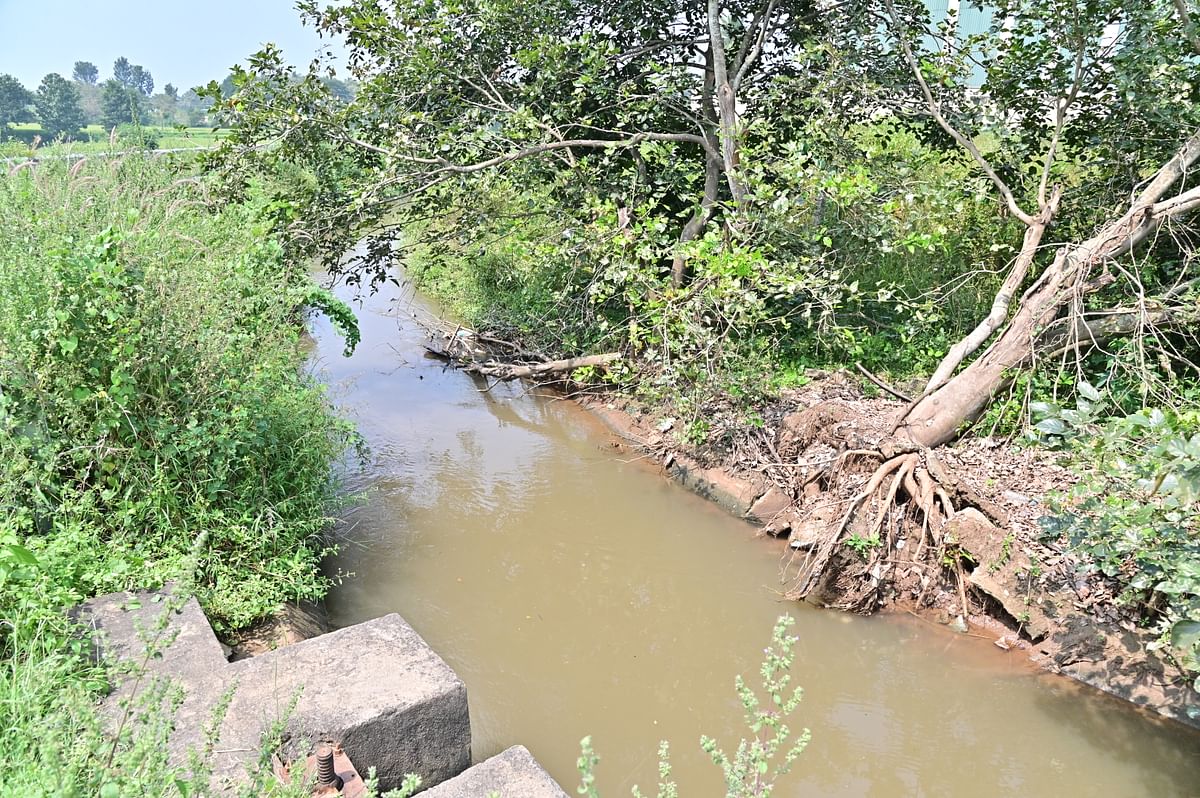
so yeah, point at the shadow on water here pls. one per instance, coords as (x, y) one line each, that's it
(577, 592)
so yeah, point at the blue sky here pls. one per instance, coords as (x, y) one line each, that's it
(184, 43)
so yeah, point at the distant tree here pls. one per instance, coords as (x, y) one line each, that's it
(89, 100)
(58, 107)
(171, 91)
(123, 71)
(119, 105)
(141, 80)
(339, 89)
(15, 100)
(86, 72)
(193, 108)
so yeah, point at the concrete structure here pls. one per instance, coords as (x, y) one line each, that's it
(511, 774)
(376, 689)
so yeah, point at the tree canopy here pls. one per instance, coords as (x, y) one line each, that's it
(119, 105)
(15, 102)
(86, 72)
(735, 127)
(58, 108)
(133, 76)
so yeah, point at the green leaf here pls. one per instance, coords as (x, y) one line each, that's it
(19, 554)
(1185, 635)
(1088, 391)
(1051, 426)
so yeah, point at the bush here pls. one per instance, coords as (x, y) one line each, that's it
(155, 424)
(137, 137)
(152, 391)
(1133, 515)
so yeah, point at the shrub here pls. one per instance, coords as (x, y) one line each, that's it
(152, 390)
(1133, 515)
(137, 137)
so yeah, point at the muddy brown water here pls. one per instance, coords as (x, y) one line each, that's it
(577, 592)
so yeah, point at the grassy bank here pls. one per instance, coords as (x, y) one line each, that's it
(155, 423)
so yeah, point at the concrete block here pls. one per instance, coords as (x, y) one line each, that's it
(376, 688)
(511, 774)
(123, 624)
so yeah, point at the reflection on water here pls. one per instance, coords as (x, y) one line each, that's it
(578, 593)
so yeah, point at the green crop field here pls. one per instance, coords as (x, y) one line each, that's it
(19, 140)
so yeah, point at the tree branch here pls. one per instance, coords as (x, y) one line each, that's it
(1185, 19)
(934, 109)
(1060, 119)
(759, 28)
(446, 167)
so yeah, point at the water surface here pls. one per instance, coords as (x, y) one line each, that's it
(577, 592)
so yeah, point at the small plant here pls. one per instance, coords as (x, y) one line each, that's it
(861, 544)
(1006, 547)
(756, 764)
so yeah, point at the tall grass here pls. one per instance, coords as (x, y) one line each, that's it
(149, 363)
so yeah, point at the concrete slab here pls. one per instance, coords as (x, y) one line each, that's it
(513, 773)
(122, 625)
(375, 688)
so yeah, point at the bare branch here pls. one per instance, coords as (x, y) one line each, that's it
(1185, 19)
(1061, 108)
(447, 167)
(757, 33)
(935, 110)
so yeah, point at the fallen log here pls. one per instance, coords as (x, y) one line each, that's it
(514, 371)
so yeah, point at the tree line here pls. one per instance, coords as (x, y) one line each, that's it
(62, 107)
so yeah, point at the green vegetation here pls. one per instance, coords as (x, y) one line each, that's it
(95, 140)
(57, 104)
(729, 193)
(155, 424)
(1134, 514)
(63, 107)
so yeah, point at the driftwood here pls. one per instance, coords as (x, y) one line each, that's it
(476, 353)
(515, 371)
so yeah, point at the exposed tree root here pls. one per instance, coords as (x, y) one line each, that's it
(895, 521)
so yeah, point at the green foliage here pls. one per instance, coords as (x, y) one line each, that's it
(120, 105)
(58, 109)
(862, 545)
(152, 391)
(155, 424)
(755, 767)
(15, 102)
(85, 72)
(753, 770)
(136, 137)
(1133, 515)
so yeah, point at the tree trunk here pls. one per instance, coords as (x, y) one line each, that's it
(726, 104)
(999, 312)
(712, 175)
(695, 225)
(936, 417)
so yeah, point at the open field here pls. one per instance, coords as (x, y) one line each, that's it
(18, 140)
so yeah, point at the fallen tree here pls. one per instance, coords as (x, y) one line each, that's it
(905, 480)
